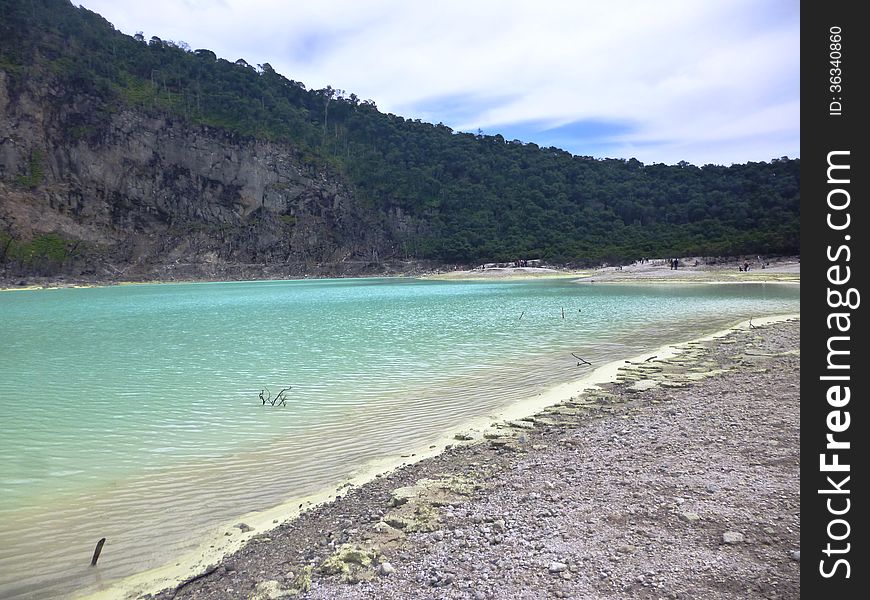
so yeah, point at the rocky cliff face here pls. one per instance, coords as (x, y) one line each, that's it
(127, 194)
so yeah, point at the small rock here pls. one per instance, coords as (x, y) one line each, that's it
(690, 517)
(269, 590)
(732, 537)
(796, 555)
(557, 567)
(245, 528)
(643, 385)
(386, 568)
(627, 549)
(382, 527)
(499, 524)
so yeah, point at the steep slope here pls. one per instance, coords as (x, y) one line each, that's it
(121, 157)
(154, 195)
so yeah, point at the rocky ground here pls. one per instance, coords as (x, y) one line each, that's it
(679, 481)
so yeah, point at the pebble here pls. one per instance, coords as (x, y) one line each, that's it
(557, 567)
(796, 555)
(690, 517)
(386, 568)
(732, 537)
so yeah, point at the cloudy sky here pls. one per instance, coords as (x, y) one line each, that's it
(706, 81)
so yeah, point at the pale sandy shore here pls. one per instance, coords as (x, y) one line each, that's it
(675, 477)
(689, 270)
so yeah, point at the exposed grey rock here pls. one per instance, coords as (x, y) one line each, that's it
(153, 196)
(732, 537)
(557, 567)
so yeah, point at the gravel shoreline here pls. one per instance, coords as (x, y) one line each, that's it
(680, 480)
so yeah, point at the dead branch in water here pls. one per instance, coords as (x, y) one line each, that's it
(97, 551)
(582, 360)
(280, 399)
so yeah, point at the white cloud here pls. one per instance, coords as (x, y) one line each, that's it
(712, 81)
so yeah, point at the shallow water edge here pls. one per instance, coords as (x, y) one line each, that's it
(219, 544)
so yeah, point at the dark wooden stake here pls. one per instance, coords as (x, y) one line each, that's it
(97, 551)
(563, 312)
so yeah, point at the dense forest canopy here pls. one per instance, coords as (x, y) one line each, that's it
(447, 196)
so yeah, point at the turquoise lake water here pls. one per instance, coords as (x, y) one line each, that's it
(132, 412)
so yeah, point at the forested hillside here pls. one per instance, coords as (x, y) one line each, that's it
(413, 190)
